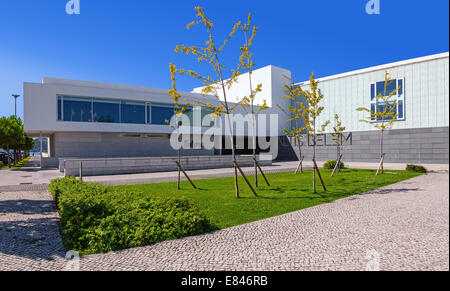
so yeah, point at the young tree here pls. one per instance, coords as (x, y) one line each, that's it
(11, 134)
(246, 66)
(338, 130)
(295, 111)
(211, 54)
(311, 112)
(384, 115)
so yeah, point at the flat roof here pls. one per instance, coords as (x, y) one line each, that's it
(381, 67)
(90, 84)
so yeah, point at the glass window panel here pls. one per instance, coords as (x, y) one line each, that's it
(373, 109)
(400, 87)
(189, 112)
(391, 87)
(372, 91)
(207, 112)
(148, 114)
(77, 109)
(160, 113)
(400, 109)
(106, 111)
(381, 108)
(133, 112)
(59, 108)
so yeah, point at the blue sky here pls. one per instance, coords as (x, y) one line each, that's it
(132, 42)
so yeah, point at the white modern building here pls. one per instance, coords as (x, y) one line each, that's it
(96, 120)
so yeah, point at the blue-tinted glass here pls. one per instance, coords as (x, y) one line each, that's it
(133, 112)
(59, 108)
(400, 109)
(189, 112)
(148, 114)
(77, 109)
(372, 91)
(391, 87)
(106, 111)
(400, 87)
(161, 113)
(382, 107)
(207, 112)
(373, 110)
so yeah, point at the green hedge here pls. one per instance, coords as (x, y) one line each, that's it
(416, 169)
(331, 164)
(96, 218)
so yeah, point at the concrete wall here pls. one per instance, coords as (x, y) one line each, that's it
(94, 167)
(110, 145)
(422, 145)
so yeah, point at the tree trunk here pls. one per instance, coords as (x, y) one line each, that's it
(179, 170)
(314, 156)
(254, 147)
(300, 154)
(381, 150)
(9, 156)
(233, 154)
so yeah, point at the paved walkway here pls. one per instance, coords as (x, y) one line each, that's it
(400, 227)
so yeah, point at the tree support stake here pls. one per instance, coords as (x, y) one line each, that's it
(185, 174)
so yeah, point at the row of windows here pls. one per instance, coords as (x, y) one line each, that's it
(399, 98)
(119, 111)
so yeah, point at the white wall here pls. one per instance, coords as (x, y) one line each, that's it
(40, 105)
(426, 92)
(273, 80)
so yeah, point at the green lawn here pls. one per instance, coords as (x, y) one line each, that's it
(18, 165)
(288, 193)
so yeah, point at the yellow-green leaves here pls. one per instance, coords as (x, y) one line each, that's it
(312, 109)
(295, 111)
(338, 129)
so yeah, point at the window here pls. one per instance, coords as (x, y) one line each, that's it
(199, 113)
(207, 112)
(399, 98)
(77, 109)
(59, 108)
(133, 112)
(107, 111)
(84, 109)
(160, 113)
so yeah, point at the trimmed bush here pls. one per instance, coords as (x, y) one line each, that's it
(331, 164)
(416, 169)
(96, 218)
(1, 164)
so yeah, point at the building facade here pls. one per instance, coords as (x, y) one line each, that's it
(96, 120)
(419, 135)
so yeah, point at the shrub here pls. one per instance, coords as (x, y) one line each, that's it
(416, 168)
(331, 164)
(1, 164)
(96, 218)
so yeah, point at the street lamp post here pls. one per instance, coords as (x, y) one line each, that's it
(15, 103)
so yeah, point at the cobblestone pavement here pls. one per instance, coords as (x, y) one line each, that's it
(29, 236)
(406, 225)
